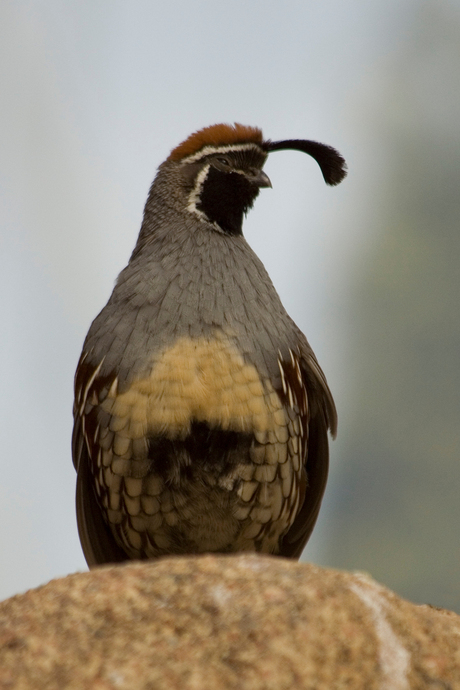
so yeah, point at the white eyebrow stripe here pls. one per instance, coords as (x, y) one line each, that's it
(208, 150)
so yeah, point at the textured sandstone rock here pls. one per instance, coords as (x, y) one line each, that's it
(242, 622)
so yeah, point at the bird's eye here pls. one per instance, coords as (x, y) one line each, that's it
(223, 161)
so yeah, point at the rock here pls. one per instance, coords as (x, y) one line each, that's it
(244, 622)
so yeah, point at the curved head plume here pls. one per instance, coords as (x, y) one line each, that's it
(330, 161)
(220, 136)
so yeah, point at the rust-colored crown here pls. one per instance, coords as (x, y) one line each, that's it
(216, 135)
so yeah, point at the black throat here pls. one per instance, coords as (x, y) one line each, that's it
(225, 198)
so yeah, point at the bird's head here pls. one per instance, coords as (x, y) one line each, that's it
(217, 172)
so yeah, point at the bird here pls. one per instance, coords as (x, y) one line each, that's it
(201, 414)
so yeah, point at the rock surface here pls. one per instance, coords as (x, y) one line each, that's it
(243, 622)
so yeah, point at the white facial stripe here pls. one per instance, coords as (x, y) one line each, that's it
(195, 193)
(212, 150)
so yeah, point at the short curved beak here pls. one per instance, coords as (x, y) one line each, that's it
(261, 180)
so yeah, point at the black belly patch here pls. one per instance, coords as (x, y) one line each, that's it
(213, 450)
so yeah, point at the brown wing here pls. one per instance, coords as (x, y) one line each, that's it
(307, 383)
(317, 467)
(97, 540)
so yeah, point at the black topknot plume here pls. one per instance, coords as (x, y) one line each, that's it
(330, 161)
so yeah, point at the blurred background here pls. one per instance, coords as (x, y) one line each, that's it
(94, 96)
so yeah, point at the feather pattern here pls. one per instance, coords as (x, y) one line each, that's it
(201, 414)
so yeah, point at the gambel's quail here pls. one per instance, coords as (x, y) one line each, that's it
(201, 413)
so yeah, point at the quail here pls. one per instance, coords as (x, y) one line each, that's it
(201, 414)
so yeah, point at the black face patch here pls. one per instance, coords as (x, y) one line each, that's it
(225, 198)
(227, 182)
